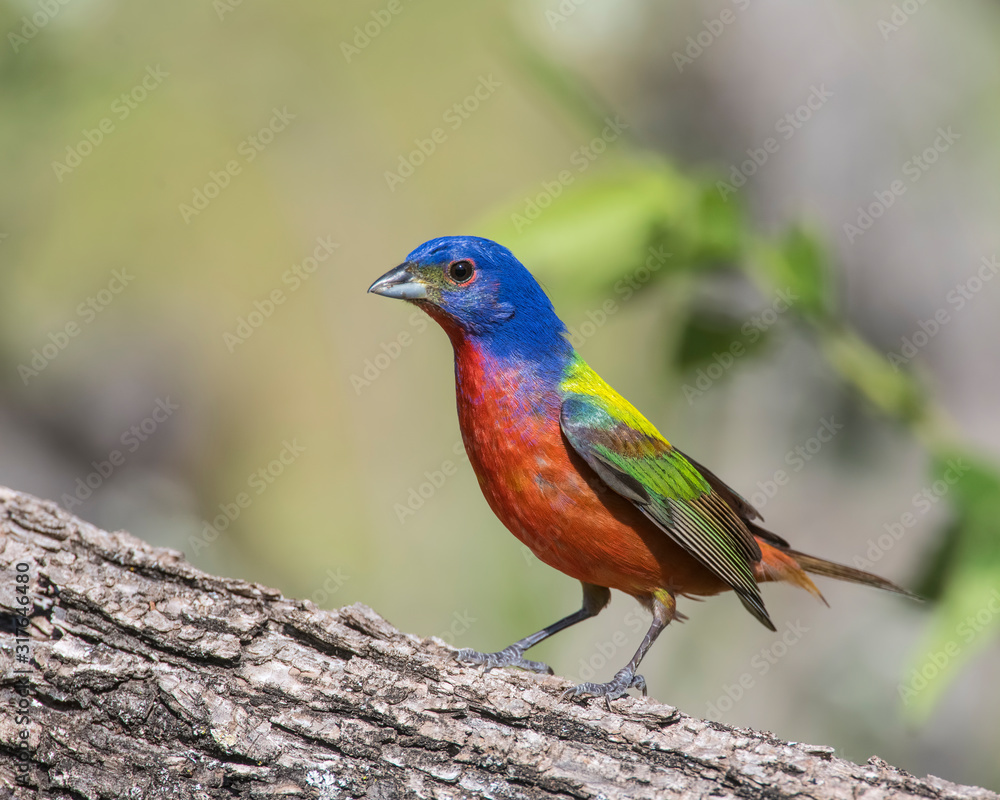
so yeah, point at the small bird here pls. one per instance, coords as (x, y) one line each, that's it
(575, 472)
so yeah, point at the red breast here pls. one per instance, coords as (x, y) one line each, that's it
(546, 495)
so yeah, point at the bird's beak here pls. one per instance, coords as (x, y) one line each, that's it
(401, 284)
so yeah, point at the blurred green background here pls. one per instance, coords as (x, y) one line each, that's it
(760, 221)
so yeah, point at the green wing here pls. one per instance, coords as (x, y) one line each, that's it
(688, 503)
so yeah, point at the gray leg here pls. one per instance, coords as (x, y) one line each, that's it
(664, 610)
(595, 598)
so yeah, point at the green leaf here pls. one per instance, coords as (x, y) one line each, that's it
(799, 265)
(892, 391)
(709, 335)
(968, 615)
(584, 233)
(933, 576)
(719, 228)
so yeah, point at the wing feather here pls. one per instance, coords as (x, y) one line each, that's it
(687, 502)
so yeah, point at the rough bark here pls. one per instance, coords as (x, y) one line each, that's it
(148, 678)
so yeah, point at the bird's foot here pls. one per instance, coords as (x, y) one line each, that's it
(617, 687)
(509, 657)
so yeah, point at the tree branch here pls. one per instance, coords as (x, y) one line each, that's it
(148, 678)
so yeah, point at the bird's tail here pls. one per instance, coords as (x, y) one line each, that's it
(777, 564)
(830, 569)
(784, 564)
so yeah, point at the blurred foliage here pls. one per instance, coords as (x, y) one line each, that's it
(965, 579)
(798, 263)
(600, 230)
(709, 331)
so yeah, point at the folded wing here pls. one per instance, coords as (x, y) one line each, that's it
(688, 503)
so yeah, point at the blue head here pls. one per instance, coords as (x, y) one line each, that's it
(477, 290)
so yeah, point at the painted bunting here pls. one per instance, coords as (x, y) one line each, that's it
(575, 472)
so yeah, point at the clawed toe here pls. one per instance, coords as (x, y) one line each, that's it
(511, 657)
(612, 690)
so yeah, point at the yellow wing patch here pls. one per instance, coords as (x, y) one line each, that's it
(581, 379)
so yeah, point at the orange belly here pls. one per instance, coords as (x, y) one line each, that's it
(551, 500)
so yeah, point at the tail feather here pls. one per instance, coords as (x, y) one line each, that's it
(777, 564)
(830, 569)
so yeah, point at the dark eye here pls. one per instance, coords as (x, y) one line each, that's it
(461, 271)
